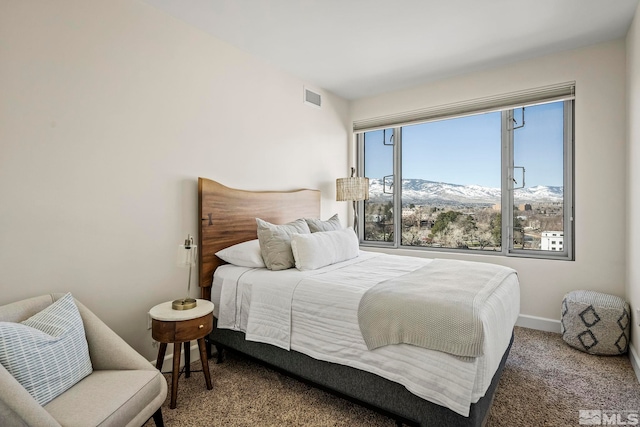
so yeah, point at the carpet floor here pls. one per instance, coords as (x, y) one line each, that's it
(544, 383)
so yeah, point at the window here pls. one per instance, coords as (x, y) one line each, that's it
(496, 180)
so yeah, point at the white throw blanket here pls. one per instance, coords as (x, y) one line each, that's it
(270, 315)
(435, 307)
(269, 319)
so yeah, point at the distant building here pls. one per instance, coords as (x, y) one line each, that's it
(534, 224)
(552, 241)
(407, 212)
(375, 218)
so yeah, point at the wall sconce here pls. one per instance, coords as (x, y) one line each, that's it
(187, 257)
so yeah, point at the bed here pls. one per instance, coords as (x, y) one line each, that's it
(373, 378)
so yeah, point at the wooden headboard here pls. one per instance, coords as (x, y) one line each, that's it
(228, 216)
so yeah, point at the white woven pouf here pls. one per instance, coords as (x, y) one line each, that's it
(595, 323)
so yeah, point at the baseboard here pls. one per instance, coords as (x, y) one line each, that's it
(167, 365)
(635, 361)
(539, 323)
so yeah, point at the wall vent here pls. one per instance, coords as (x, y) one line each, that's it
(312, 98)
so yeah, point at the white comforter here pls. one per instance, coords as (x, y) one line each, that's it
(316, 313)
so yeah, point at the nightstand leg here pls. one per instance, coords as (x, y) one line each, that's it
(175, 375)
(205, 363)
(187, 359)
(161, 351)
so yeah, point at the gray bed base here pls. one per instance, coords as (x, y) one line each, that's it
(364, 388)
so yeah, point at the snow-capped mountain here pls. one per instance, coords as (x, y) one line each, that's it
(420, 191)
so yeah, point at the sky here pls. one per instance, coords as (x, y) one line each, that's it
(466, 150)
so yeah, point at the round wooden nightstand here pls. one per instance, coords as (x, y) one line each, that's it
(177, 327)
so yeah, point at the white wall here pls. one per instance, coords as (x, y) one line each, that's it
(633, 177)
(600, 133)
(109, 112)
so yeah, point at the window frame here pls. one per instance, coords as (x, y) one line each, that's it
(566, 252)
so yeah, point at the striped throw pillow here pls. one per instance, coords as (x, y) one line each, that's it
(47, 353)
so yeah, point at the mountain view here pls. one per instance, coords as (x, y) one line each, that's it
(436, 214)
(423, 192)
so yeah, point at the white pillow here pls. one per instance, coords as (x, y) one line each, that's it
(323, 248)
(245, 254)
(47, 353)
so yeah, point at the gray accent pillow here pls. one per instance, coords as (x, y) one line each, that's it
(275, 242)
(316, 225)
(47, 353)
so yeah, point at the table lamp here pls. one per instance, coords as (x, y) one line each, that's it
(354, 189)
(187, 255)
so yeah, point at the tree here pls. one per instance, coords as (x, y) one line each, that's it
(484, 238)
(467, 223)
(443, 220)
(411, 237)
(388, 210)
(495, 227)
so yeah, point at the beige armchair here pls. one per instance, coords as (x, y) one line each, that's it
(123, 390)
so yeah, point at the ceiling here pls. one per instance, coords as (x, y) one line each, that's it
(360, 48)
